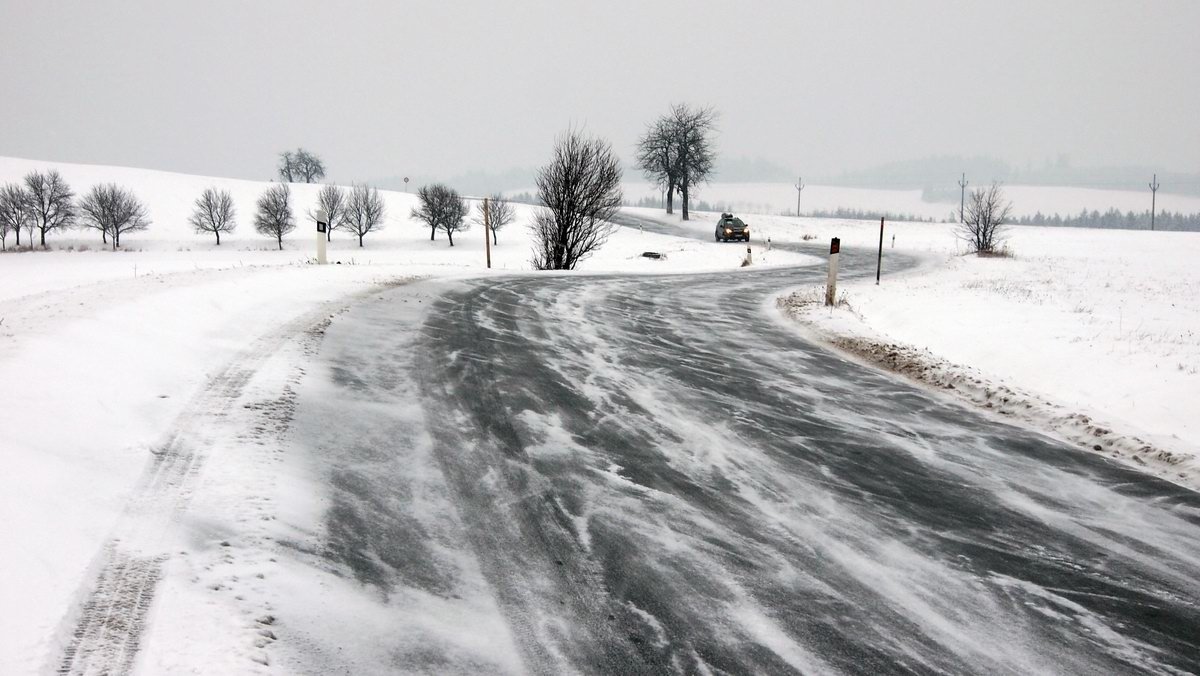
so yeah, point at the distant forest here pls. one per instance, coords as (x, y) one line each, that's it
(1114, 219)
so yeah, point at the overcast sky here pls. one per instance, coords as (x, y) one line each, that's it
(438, 88)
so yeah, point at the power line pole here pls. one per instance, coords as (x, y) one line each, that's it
(799, 189)
(962, 197)
(1153, 195)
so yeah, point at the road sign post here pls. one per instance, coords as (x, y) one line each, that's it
(835, 246)
(322, 232)
(879, 261)
(487, 228)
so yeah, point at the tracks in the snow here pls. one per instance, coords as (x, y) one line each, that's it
(104, 633)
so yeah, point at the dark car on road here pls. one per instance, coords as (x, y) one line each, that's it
(733, 228)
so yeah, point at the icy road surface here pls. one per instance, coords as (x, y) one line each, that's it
(656, 474)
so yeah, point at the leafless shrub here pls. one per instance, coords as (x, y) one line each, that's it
(441, 208)
(214, 213)
(364, 212)
(500, 213)
(581, 190)
(274, 217)
(984, 219)
(50, 202)
(113, 211)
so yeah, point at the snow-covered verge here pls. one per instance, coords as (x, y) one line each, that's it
(1100, 326)
(141, 388)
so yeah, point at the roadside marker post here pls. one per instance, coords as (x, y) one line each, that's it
(835, 246)
(879, 261)
(487, 235)
(322, 230)
(749, 255)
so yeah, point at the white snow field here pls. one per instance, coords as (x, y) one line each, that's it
(779, 198)
(1105, 323)
(112, 363)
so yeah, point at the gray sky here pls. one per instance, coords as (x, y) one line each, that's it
(436, 88)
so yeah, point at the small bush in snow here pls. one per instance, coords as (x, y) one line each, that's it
(984, 219)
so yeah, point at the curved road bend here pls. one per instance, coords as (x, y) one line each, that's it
(653, 475)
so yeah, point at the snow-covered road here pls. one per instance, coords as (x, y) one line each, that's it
(619, 474)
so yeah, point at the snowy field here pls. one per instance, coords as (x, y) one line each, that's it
(106, 356)
(778, 198)
(1103, 322)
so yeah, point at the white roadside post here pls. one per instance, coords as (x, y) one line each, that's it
(831, 283)
(749, 255)
(322, 228)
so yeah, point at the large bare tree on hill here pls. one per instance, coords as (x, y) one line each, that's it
(113, 211)
(50, 202)
(274, 217)
(692, 132)
(214, 212)
(656, 158)
(364, 212)
(676, 152)
(441, 208)
(299, 166)
(581, 190)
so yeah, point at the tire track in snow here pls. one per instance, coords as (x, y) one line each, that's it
(105, 632)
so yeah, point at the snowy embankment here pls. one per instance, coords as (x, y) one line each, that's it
(117, 366)
(1098, 331)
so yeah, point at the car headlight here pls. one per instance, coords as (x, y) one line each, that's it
(728, 231)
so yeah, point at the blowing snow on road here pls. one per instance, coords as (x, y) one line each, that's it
(647, 474)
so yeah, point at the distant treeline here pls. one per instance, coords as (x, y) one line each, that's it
(867, 215)
(1115, 219)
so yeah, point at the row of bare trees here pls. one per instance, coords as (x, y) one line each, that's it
(44, 202)
(677, 153)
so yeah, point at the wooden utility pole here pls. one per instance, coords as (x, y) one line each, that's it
(799, 189)
(962, 197)
(487, 234)
(1153, 195)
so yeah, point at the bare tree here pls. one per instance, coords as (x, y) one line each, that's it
(691, 132)
(274, 216)
(287, 166)
(499, 214)
(113, 210)
(300, 165)
(656, 153)
(50, 202)
(308, 166)
(364, 212)
(332, 200)
(214, 213)
(14, 212)
(985, 218)
(442, 209)
(581, 190)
